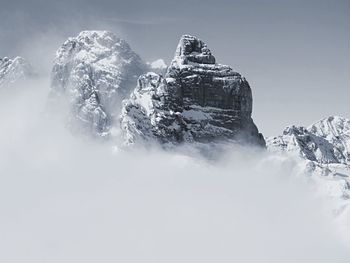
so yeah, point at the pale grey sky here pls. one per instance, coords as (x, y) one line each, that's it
(295, 54)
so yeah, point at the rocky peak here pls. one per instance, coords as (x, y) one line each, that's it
(12, 70)
(335, 130)
(206, 83)
(95, 71)
(202, 101)
(326, 141)
(325, 148)
(191, 49)
(294, 130)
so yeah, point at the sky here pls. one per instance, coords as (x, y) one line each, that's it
(295, 54)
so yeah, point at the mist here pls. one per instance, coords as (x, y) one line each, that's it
(66, 198)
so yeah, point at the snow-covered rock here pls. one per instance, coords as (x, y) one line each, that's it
(326, 141)
(95, 71)
(13, 70)
(336, 131)
(144, 115)
(324, 149)
(198, 100)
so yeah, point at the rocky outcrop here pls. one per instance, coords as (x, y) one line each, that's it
(13, 70)
(95, 71)
(324, 148)
(326, 141)
(198, 100)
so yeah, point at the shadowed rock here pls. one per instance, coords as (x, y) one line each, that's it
(197, 101)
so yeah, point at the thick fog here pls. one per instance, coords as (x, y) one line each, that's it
(68, 198)
(64, 198)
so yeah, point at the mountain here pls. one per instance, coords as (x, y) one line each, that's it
(13, 70)
(326, 141)
(198, 100)
(324, 149)
(94, 72)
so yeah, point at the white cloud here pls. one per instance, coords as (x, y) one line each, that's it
(67, 199)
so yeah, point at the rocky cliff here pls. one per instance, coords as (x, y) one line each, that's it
(94, 72)
(198, 100)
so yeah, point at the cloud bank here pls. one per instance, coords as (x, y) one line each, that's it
(70, 199)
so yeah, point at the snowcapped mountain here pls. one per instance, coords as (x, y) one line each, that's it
(326, 141)
(335, 130)
(198, 100)
(325, 150)
(95, 71)
(12, 70)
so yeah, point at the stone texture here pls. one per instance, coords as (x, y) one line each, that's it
(198, 101)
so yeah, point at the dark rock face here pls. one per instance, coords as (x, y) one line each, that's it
(191, 49)
(198, 100)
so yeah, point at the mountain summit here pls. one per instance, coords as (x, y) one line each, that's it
(198, 100)
(325, 148)
(13, 70)
(95, 71)
(326, 141)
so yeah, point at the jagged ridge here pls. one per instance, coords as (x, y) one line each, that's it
(326, 141)
(324, 146)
